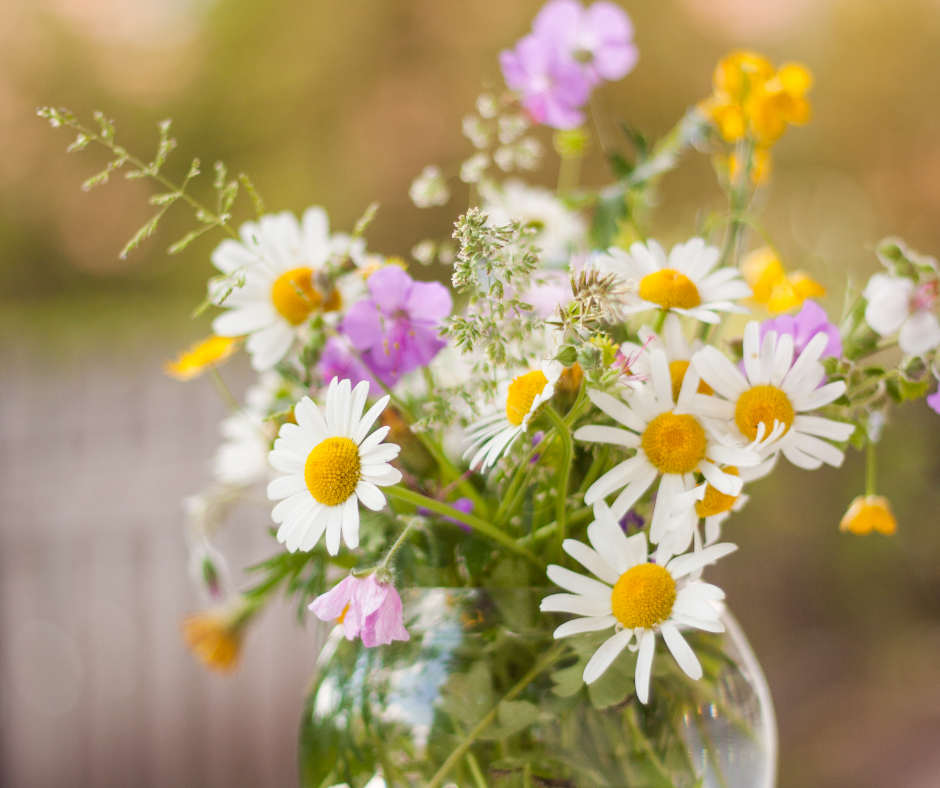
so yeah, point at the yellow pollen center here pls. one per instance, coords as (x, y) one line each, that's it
(332, 470)
(674, 444)
(522, 393)
(762, 404)
(669, 289)
(295, 297)
(677, 370)
(643, 596)
(716, 502)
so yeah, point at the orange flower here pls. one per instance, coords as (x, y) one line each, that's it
(752, 99)
(211, 352)
(867, 514)
(773, 287)
(215, 636)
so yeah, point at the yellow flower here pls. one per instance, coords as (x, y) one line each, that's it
(761, 166)
(867, 514)
(211, 352)
(215, 636)
(773, 286)
(753, 99)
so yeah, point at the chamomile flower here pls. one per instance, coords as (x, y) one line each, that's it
(638, 598)
(673, 343)
(279, 259)
(559, 231)
(671, 440)
(775, 390)
(495, 434)
(331, 466)
(684, 283)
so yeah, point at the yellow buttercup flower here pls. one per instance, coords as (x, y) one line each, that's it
(215, 636)
(210, 352)
(772, 286)
(752, 98)
(867, 514)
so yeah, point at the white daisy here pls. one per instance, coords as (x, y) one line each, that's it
(242, 457)
(331, 466)
(684, 283)
(671, 440)
(673, 343)
(775, 390)
(897, 304)
(279, 260)
(495, 434)
(636, 597)
(559, 231)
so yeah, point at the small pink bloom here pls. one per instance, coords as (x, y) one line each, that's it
(370, 610)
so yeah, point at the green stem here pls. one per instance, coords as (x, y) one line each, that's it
(483, 527)
(870, 468)
(550, 658)
(645, 744)
(523, 471)
(564, 473)
(658, 321)
(383, 568)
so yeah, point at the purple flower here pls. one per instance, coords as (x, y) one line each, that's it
(464, 505)
(338, 361)
(599, 39)
(551, 88)
(934, 401)
(398, 329)
(808, 322)
(366, 608)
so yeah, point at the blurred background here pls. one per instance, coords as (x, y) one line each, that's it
(341, 103)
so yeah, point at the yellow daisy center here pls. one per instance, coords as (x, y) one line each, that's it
(643, 596)
(295, 297)
(674, 444)
(716, 502)
(762, 404)
(669, 289)
(522, 393)
(332, 470)
(677, 370)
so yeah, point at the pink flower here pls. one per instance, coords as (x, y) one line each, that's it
(599, 39)
(934, 401)
(368, 609)
(398, 328)
(810, 321)
(551, 88)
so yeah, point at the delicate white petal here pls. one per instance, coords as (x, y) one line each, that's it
(721, 481)
(594, 433)
(288, 506)
(920, 333)
(801, 459)
(577, 584)
(701, 591)
(681, 566)
(708, 626)
(373, 440)
(285, 486)
(311, 421)
(617, 410)
(821, 396)
(370, 495)
(633, 491)
(682, 651)
(783, 358)
(380, 454)
(334, 529)
(719, 373)
(365, 424)
(819, 449)
(591, 560)
(604, 656)
(751, 357)
(579, 605)
(644, 665)
(823, 428)
(351, 522)
(579, 625)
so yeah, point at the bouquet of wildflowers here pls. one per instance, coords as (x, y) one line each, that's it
(582, 408)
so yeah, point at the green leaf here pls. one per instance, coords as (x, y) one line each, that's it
(610, 211)
(512, 716)
(911, 390)
(466, 697)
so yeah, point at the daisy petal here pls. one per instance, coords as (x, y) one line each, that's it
(644, 665)
(573, 603)
(578, 584)
(604, 656)
(591, 560)
(579, 625)
(682, 651)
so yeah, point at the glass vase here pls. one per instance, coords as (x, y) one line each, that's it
(482, 696)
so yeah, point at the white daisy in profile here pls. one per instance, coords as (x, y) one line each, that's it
(636, 597)
(242, 457)
(775, 390)
(685, 282)
(331, 467)
(279, 259)
(495, 434)
(673, 343)
(558, 230)
(671, 440)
